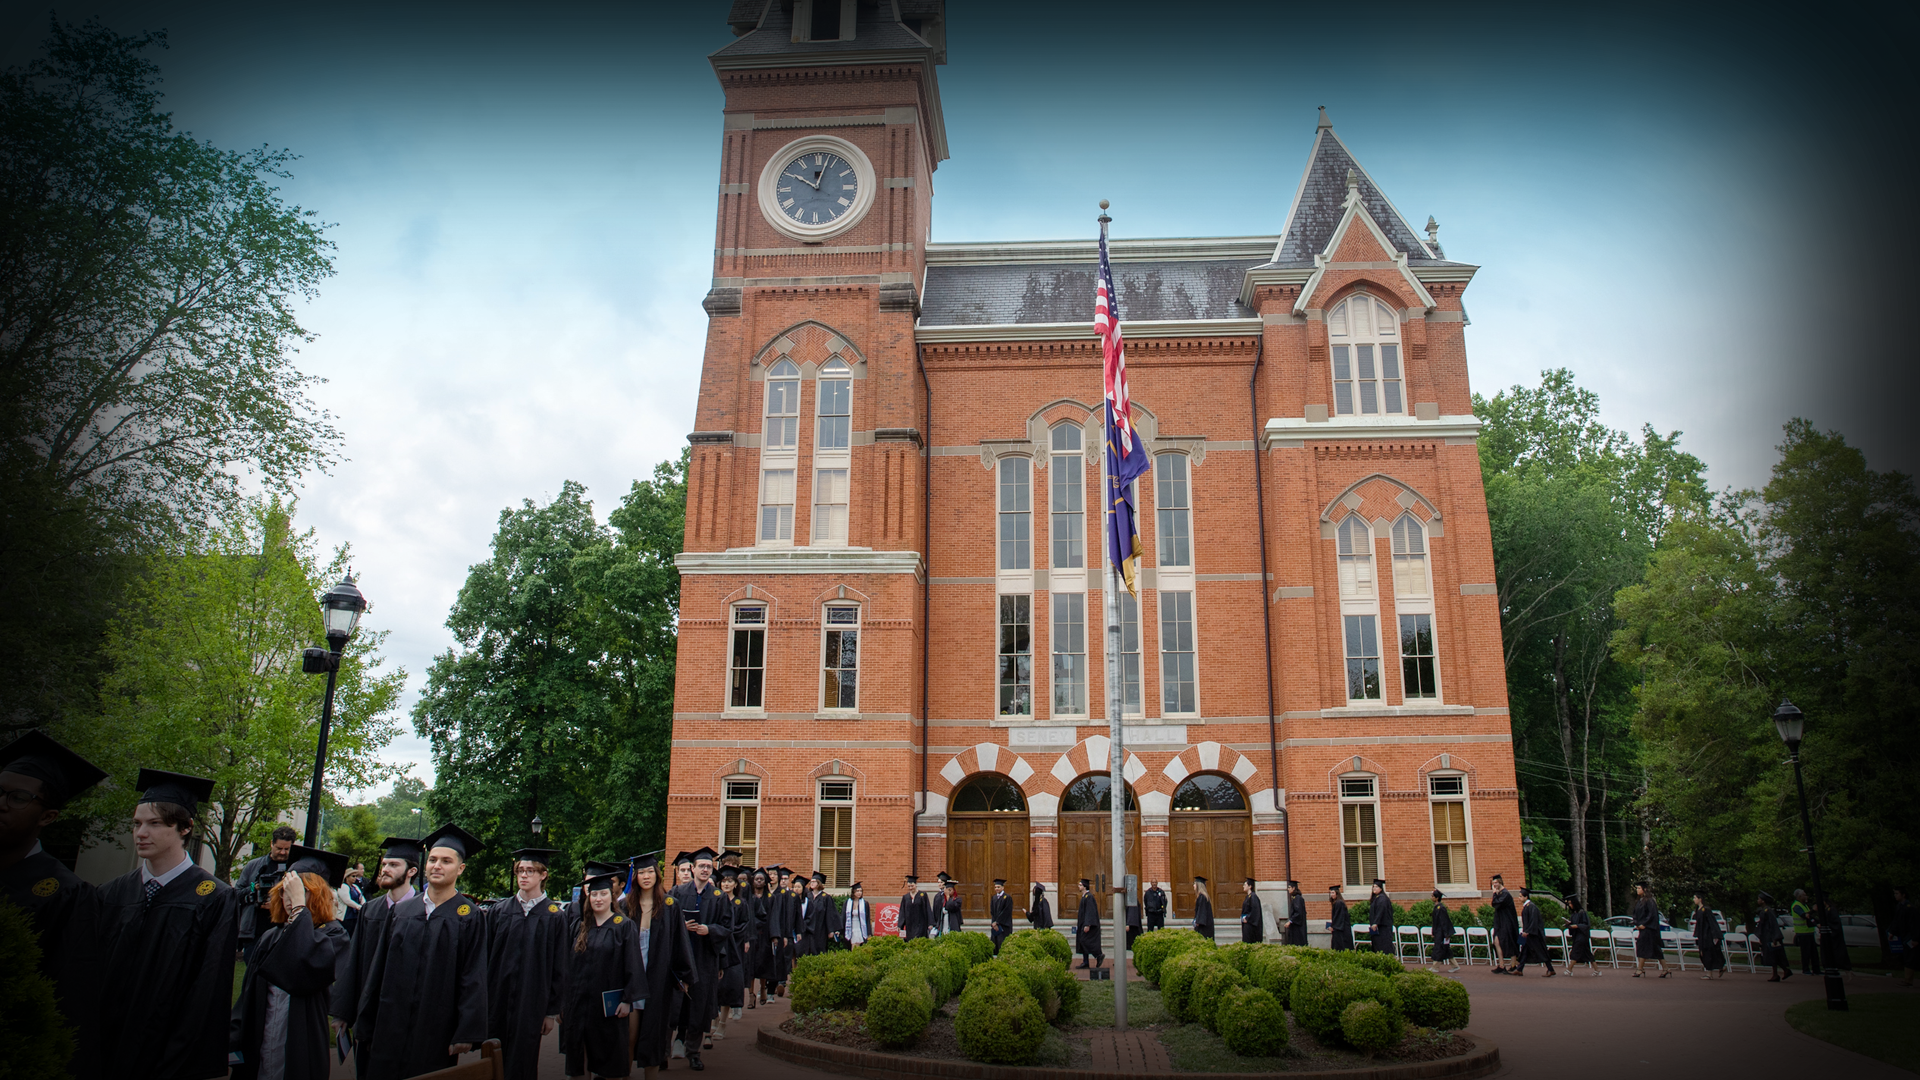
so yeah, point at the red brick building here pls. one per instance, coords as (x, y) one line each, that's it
(890, 646)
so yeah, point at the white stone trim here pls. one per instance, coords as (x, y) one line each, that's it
(1161, 249)
(797, 560)
(1083, 331)
(1297, 428)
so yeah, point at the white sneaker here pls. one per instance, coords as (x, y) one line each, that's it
(679, 1049)
(736, 1014)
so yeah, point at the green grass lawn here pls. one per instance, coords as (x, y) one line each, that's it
(239, 976)
(1144, 1007)
(1880, 1026)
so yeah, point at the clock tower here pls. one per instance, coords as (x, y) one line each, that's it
(803, 546)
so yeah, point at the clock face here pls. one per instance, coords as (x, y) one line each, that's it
(817, 188)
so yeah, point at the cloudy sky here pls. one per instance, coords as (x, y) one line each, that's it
(1688, 213)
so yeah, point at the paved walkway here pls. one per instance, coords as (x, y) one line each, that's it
(1137, 1053)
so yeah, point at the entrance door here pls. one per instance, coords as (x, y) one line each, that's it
(1211, 835)
(987, 839)
(1086, 837)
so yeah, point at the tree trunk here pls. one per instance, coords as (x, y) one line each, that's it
(1575, 807)
(1606, 855)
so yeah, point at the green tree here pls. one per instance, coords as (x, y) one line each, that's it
(395, 810)
(357, 835)
(206, 680)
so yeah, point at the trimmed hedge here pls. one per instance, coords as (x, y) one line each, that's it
(1273, 971)
(1209, 991)
(1370, 1026)
(1379, 963)
(1053, 943)
(1238, 953)
(900, 1007)
(1154, 948)
(1068, 988)
(979, 946)
(1034, 974)
(885, 945)
(1177, 977)
(835, 980)
(999, 1022)
(1431, 1001)
(1322, 991)
(1252, 1022)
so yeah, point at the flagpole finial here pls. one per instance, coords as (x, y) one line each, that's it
(1104, 204)
(1103, 218)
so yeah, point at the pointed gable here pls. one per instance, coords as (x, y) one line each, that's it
(1320, 203)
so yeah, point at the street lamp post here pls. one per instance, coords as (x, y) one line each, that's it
(340, 611)
(537, 826)
(1526, 857)
(1791, 723)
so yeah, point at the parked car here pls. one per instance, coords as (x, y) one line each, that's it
(1860, 931)
(1624, 922)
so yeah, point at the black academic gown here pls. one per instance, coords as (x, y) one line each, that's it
(733, 971)
(1087, 939)
(1380, 923)
(429, 986)
(669, 964)
(48, 892)
(1203, 915)
(1155, 903)
(1250, 928)
(174, 957)
(912, 920)
(1341, 920)
(593, 1041)
(1506, 924)
(303, 960)
(526, 965)
(1040, 913)
(760, 958)
(1534, 951)
(816, 925)
(355, 998)
(709, 908)
(951, 906)
(1579, 938)
(1646, 929)
(1442, 933)
(1000, 919)
(1296, 920)
(1707, 935)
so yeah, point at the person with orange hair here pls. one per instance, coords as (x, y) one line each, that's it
(279, 1024)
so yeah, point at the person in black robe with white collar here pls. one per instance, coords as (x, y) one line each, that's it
(603, 959)
(818, 916)
(1708, 934)
(1251, 930)
(1296, 932)
(1086, 928)
(528, 937)
(950, 906)
(1040, 911)
(733, 973)
(667, 957)
(279, 1027)
(157, 947)
(1380, 919)
(1339, 920)
(1506, 928)
(38, 777)
(1647, 943)
(355, 995)
(857, 917)
(1442, 952)
(760, 958)
(709, 917)
(912, 920)
(999, 914)
(1202, 909)
(1533, 936)
(430, 976)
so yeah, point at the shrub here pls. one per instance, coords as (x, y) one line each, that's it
(1238, 953)
(1465, 917)
(958, 960)
(831, 980)
(1370, 1026)
(920, 944)
(1000, 1022)
(1176, 980)
(1420, 914)
(937, 974)
(35, 1039)
(979, 946)
(1274, 971)
(1068, 989)
(1034, 974)
(885, 946)
(1030, 949)
(1252, 1022)
(1052, 942)
(1154, 948)
(1431, 1001)
(1483, 915)
(899, 1008)
(1209, 989)
(1379, 963)
(1322, 992)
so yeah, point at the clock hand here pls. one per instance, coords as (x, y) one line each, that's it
(805, 181)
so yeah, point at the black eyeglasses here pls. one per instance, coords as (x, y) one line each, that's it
(18, 797)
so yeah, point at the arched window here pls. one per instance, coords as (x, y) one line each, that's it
(1409, 557)
(1360, 828)
(1016, 513)
(834, 405)
(1359, 609)
(1171, 506)
(1208, 791)
(1356, 558)
(989, 793)
(1413, 599)
(1068, 491)
(1363, 335)
(1093, 791)
(783, 407)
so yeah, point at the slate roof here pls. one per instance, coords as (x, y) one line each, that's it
(874, 30)
(1321, 202)
(986, 294)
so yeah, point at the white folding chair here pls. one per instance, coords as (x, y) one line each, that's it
(1622, 939)
(1477, 940)
(1423, 943)
(1556, 942)
(1601, 941)
(1407, 942)
(1362, 937)
(1678, 942)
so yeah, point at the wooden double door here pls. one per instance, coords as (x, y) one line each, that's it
(980, 848)
(1086, 851)
(1215, 845)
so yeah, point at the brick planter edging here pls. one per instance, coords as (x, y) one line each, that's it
(1482, 1060)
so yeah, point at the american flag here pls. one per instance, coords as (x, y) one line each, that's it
(1126, 458)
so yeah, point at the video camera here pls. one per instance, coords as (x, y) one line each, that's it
(254, 893)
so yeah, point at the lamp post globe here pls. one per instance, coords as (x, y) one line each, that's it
(340, 611)
(1526, 858)
(537, 825)
(1791, 723)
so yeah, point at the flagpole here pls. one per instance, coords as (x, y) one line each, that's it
(1116, 757)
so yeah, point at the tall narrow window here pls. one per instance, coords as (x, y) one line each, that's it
(1171, 510)
(1363, 657)
(1129, 654)
(1016, 656)
(1409, 557)
(1359, 830)
(1068, 490)
(840, 686)
(830, 506)
(740, 819)
(783, 407)
(747, 662)
(776, 506)
(1016, 514)
(1363, 337)
(1070, 653)
(835, 853)
(1417, 673)
(834, 404)
(1178, 693)
(1356, 559)
(1449, 795)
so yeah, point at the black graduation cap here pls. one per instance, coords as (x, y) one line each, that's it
(61, 772)
(706, 853)
(457, 838)
(603, 875)
(1335, 888)
(187, 792)
(1199, 879)
(1086, 883)
(651, 860)
(732, 854)
(1765, 897)
(684, 858)
(819, 877)
(912, 880)
(729, 872)
(541, 855)
(1526, 892)
(401, 847)
(1038, 888)
(942, 875)
(1000, 881)
(1382, 882)
(330, 865)
(855, 887)
(1249, 881)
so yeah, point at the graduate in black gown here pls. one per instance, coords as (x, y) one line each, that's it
(1772, 941)
(430, 976)
(760, 948)
(602, 959)
(1380, 919)
(1647, 944)
(816, 917)
(1086, 928)
(1154, 901)
(948, 914)
(1296, 931)
(1579, 936)
(1339, 920)
(856, 917)
(1707, 934)
(1442, 952)
(709, 918)
(733, 975)
(279, 1024)
(1506, 929)
(1202, 909)
(1533, 936)
(667, 958)
(1251, 929)
(355, 997)
(38, 777)
(528, 935)
(912, 920)
(157, 948)
(999, 914)
(1040, 911)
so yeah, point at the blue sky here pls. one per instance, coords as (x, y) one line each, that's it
(1684, 212)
